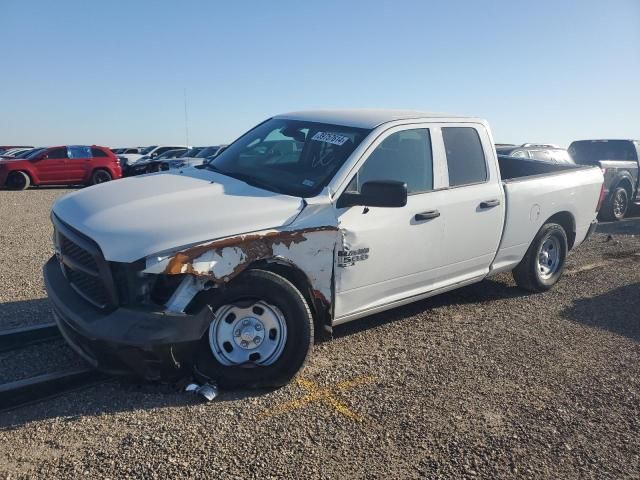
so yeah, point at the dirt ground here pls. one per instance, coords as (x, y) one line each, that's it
(485, 381)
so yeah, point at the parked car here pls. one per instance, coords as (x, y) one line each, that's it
(309, 220)
(4, 148)
(542, 152)
(14, 152)
(148, 164)
(618, 160)
(66, 165)
(152, 151)
(205, 155)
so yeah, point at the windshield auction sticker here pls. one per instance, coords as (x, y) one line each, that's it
(333, 138)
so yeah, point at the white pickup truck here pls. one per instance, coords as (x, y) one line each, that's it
(307, 221)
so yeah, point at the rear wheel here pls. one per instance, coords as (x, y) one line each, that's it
(544, 262)
(18, 181)
(100, 176)
(616, 208)
(260, 336)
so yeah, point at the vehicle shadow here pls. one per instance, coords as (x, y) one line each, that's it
(617, 311)
(485, 291)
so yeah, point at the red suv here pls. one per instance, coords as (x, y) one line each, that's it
(70, 165)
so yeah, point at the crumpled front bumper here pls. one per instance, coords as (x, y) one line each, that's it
(151, 343)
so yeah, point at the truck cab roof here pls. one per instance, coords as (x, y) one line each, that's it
(368, 118)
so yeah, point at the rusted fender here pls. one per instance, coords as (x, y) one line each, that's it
(309, 249)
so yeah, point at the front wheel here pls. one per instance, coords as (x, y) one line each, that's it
(18, 181)
(544, 262)
(260, 336)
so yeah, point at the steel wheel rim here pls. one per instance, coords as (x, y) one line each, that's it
(548, 260)
(619, 204)
(248, 336)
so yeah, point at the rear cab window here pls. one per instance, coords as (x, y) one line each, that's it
(590, 152)
(466, 161)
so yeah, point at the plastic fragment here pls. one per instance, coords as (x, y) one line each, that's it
(207, 391)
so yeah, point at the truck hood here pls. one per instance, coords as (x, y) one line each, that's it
(136, 217)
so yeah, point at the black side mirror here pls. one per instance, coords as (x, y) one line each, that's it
(376, 193)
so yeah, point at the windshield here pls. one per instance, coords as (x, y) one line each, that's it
(590, 152)
(207, 152)
(147, 150)
(192, 152)
(293, 157)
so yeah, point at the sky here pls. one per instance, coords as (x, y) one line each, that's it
(115, 72)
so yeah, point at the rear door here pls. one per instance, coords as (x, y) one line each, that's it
(52, 169)
(473, 213)
(79, 163)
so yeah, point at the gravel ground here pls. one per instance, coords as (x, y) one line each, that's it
(484, 381)
(25, 246)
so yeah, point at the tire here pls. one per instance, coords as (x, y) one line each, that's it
(544, 262)
(256, 297)
(100, 176)
(616, 206)
(18, 181)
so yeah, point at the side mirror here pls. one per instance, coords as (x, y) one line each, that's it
(376, 193)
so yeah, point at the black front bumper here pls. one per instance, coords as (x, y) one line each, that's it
(152, 343)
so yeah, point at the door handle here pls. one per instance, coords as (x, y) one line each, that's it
(490, 203)
(427, 215)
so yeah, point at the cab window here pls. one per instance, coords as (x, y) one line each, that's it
(403, 156)
(57, 153)
(465, 157)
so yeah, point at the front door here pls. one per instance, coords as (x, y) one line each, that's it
(52, 167)
(388, 252)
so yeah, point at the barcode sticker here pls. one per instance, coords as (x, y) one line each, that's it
(333, 138)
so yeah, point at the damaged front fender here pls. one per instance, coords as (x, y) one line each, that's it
(311, 250)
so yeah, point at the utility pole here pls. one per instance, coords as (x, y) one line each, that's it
(186, 119)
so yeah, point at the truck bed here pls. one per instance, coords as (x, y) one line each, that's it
(535, 191)
(512, 168)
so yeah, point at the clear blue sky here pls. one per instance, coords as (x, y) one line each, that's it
(113, 72)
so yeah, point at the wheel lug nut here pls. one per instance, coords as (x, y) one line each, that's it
(257, 340)
(237, 333)
(258, 326)
(245, 321)
(244, 343)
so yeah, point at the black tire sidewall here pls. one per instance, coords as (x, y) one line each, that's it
(615, 194)
(279, 292)
(95, 174)
(21, 175)
(557, 231)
